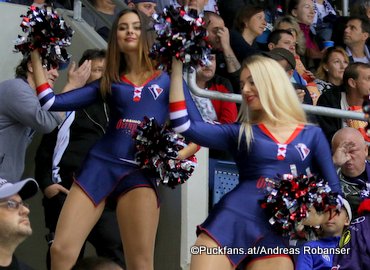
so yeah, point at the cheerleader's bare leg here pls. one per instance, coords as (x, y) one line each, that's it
(138, 216)
(76, 220)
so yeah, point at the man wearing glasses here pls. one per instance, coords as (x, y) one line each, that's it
(15, 226)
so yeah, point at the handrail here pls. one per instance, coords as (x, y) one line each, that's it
(318, 110)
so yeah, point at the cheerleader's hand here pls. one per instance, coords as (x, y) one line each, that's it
(77, 76)
(187, 151)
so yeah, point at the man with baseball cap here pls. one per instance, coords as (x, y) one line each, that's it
(287, 60)
(145, 6)
(15, 226)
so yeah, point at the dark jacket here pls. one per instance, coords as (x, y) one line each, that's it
(332, 99)
(89, 126)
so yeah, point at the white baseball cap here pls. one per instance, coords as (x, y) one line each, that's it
(25, 188)
(347, 207)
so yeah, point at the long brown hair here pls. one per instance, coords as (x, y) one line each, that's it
(115, 60)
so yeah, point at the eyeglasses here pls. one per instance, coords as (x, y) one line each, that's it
(12, 204)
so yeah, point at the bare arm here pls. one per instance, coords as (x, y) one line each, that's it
(232, 63)
(188, 151)
(176, 86)
(38, 71)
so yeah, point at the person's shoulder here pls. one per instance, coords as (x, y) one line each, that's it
(13, 86)
(18, 265)
(331, 95)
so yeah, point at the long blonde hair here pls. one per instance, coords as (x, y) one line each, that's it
(115, 60)
(279, 101)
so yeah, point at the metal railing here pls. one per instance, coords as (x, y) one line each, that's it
(318, 110)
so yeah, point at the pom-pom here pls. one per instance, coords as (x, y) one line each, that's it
(181, 34)
(46, 32)
(157, 150)
(288, 200)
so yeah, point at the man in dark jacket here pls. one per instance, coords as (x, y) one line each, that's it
(356, 84)
(60, 156)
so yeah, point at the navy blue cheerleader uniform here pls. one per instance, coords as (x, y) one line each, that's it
(237, 220)
(110, 166)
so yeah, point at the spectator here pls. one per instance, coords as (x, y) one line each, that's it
(146, 6)
(248, 25)
(199, 5)
(101, 19)
(325, 17)
(281, 39)
(356, 84)
(273, 9)
(303, 11)
(15, 226)
(355, 242)
(355, 36)
(218, 37)
(303, 75)
(214, 110)
(330, 233)
(287, 61)
(59, 158)
(360, 8)
(290, 24)
(350, 153)
(331, 69)
(21, 114)
(41, 3)
(285, 39)
(96, 263)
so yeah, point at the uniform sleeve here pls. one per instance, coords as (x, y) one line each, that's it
(196, 130)
(69, 101)
(323, 158)
(24, 107)
(304, 261)
(192, 108)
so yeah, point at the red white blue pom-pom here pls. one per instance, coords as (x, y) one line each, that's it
(46, 32)
(288, 200)
(181, 34)
(157, 150)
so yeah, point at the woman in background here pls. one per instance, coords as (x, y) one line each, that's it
(331, 69)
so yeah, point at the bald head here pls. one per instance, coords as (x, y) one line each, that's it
(349, 134)
(351, 144)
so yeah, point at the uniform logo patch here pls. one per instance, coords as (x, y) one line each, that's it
(303, 150)
(155, 90)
